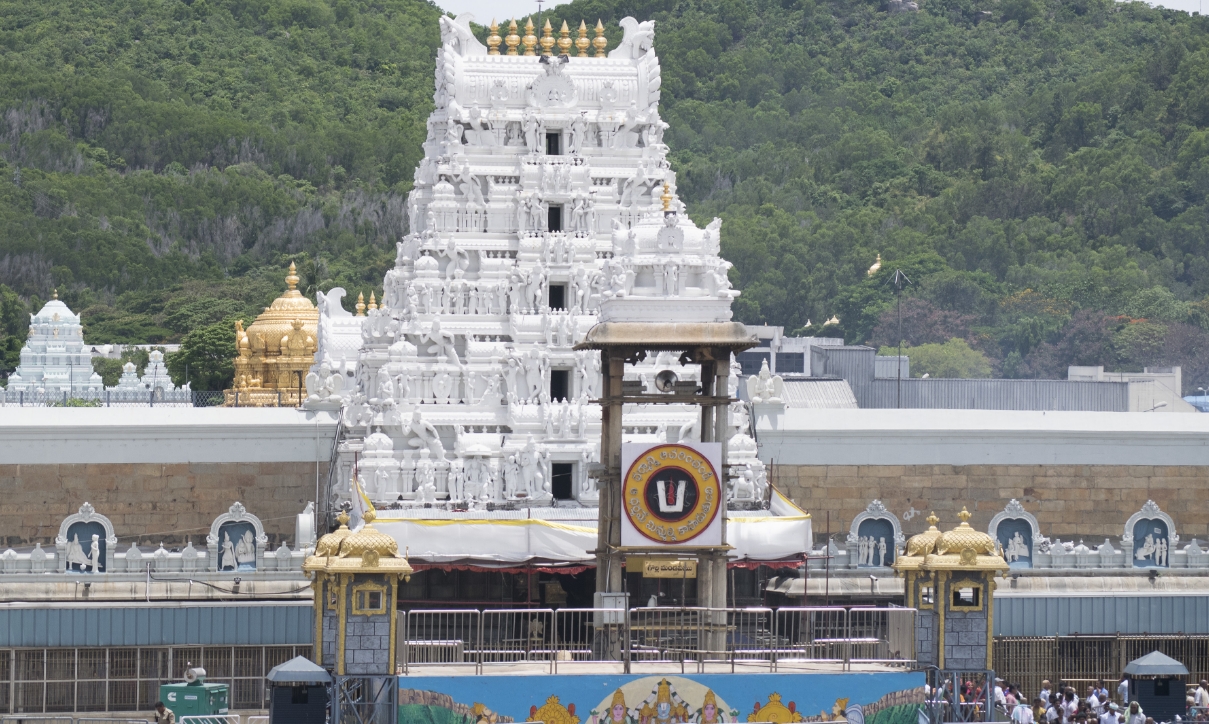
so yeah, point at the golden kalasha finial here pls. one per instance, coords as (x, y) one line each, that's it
(964, 515)
(530, 40)
(373, 302)
(360, 304)
(582, 43)
(55, 294)
(494, 40)
(547, 39)
(291, 279)
(933, 520)
(667, 196)
(564, 40)
(342, 519)
(513, 39)
(600, 41)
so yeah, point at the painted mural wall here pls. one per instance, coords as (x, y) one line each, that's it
(876, 698)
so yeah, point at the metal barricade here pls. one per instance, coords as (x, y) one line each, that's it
(35, 719)
(589, 634)
(666, 634)
(881, 635)
(750, 636)
(258, 720)
(704, 638)
(959, 696)
(210, 719)
(811, 634)
(513, 635)
(102, 720)
(434, 637)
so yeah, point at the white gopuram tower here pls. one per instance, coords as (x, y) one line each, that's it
(544, 190)
(53, 359)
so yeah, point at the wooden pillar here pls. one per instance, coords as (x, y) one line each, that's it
(608, 534)
(708, 367)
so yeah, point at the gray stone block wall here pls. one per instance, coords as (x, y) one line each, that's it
(966, 640)
(367, 645)
(330, 625)
(926, 644)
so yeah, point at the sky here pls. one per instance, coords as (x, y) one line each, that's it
(485, 10)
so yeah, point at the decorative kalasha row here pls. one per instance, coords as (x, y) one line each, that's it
(1148, 540)
(236, 543)
(544, 196)
(564, 42)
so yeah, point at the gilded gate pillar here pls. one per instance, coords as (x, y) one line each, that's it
(950, 580)
(356, 580)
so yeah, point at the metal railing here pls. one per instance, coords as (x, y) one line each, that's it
(127, 398)
(952, 700)
(210, 719)
(1084, 660)
(91, 681)
(686, 636)
(42, 719)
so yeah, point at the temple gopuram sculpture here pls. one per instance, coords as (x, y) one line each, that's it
(275, 353)
(544, 189)
(53, 359)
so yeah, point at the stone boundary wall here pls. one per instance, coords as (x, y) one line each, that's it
(154, 502)
(1071, 502)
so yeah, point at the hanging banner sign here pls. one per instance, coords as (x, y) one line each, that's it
(671, 495)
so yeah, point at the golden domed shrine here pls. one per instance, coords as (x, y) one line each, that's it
(275, 352)
(950, 580)
(355, 576)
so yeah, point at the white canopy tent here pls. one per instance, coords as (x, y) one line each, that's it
(473, 539)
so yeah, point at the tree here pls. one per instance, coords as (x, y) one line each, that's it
(207, 354)
(1087, 339)
(952, 359)
(922, 323)
(14, 327)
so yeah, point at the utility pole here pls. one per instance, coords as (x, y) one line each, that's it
(900, 280)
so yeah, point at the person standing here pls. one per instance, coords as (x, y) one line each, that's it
(163, 715)
(1000, 699)
(1022, 714)
(1045, 691)
(1053, 711)
(1135, 714)
(1070, 706)
(1123, 690)
(1200, 699)
(1111, 714)
(1093, 702)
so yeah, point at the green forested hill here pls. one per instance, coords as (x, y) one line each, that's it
(1036, 167)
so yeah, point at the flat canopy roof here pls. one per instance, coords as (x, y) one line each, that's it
(669, 336)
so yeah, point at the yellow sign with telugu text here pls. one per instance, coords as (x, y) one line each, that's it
(665, 568)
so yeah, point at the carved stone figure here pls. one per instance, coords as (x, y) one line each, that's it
(637, 40)
(226, 558)
(425, 436)
(765, 387)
